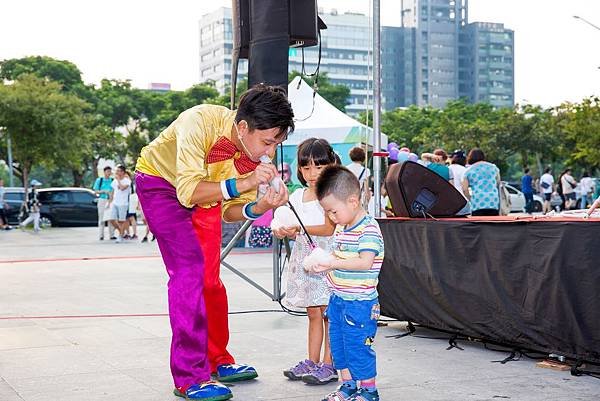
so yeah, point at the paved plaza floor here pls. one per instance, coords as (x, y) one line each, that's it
(85, 320)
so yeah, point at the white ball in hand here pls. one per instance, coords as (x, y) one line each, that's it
(316, 257)
(284, 217)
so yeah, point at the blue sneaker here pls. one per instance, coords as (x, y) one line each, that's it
(235, 373)
(207, 391)
(364, 395)
(343, 393)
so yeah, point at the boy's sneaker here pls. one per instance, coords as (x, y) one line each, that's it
(323, 374)
(302, 368)
(343, 393)
(364, 395)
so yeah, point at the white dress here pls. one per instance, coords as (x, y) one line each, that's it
(306, 289)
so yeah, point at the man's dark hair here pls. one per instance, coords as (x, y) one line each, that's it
(357, 154)
(475, 155)
(526, 170)
(318, 150)
(107, 168)
(547, 170)
(265, 107)
(337, 181)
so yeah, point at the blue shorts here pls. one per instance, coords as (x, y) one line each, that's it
(352, 329)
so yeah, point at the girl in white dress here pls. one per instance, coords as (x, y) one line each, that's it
(306, 290)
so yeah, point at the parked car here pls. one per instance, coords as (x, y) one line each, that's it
(14, 197)
(517, 200)
(60, 206)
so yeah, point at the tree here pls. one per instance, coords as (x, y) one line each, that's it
(64, 72)
(45, 124)
(580, 125)
(337, 95)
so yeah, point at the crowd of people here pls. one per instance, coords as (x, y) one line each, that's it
(118, 206)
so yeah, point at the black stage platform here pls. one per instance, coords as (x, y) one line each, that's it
(530, 283)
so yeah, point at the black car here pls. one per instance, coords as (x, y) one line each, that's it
(60, 206)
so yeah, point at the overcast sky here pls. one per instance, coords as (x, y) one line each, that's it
(557, 57)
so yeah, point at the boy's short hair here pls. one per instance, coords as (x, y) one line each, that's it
(357, 154)
(107, 168)
(337, 181)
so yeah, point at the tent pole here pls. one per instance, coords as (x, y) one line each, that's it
(377, 104)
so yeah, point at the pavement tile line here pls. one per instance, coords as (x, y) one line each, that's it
(9, 261)
(84, 316)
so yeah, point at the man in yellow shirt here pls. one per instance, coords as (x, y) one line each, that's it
(205, 165)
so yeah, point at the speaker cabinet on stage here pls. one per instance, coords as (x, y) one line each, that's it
(416, 191)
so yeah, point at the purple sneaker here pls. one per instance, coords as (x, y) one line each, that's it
(302, 368)
(323, 374)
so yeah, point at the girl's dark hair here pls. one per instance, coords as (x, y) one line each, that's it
(475, 155)
(316, 149)
(266, 107)
(585, 174)
(459, 159)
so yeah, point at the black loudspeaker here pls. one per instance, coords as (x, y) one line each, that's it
(416, 191)
(269, 42)
(304, 30)
(240, 18)
(303, 27)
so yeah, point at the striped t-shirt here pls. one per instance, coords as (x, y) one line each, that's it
(365, 236)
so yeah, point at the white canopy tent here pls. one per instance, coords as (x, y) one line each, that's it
(316, 117)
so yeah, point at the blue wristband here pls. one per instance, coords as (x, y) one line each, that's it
(247, 211)
(231, 185)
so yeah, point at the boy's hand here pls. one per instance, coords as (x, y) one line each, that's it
(323, 267)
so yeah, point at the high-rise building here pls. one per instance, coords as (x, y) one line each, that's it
(487, 64)
(453, 58)
(435, 56)
(216, 44)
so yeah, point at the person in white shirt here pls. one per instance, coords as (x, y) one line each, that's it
(458, 160)
(547, 188)
(587, 189)
(361, 171)
(568, 184)
(358, 157)
(119, 198)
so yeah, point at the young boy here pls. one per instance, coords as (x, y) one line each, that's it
(353, 307)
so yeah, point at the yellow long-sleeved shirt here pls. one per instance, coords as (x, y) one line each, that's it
(178, 153)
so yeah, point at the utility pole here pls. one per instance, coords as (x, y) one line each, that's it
(377, 104)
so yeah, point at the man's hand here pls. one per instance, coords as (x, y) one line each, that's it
(263, 174)
(271, 200)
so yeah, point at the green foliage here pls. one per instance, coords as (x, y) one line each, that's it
(64, 72)
(63, 127)
(337, 95)
(580, 124)
(47, 126)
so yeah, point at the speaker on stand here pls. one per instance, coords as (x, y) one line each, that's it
(263, 31)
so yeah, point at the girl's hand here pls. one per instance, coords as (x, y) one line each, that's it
(283, 232)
